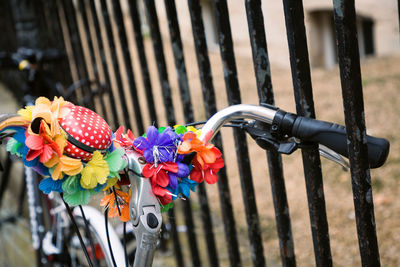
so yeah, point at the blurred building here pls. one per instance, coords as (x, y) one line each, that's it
(377, 24)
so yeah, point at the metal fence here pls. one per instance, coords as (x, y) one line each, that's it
(94, 36)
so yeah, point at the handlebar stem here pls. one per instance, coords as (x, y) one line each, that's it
(212, 126)
(145, 212)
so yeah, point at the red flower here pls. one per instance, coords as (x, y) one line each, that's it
(124, 140)
(159, 175)
(207, 172)
(163, 195)
(41, 145)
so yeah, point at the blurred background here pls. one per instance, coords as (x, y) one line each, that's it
(123, 63)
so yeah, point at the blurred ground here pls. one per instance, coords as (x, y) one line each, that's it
(381, 81)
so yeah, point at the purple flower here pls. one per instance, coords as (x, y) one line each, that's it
(157, 147)
(183, 171)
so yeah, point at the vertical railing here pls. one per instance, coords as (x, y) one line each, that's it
(301, 77)
(152, 19)
(184, 91)
(207, 87)
(137, 26)
(84, 15)
(117, 39)
(124, 47)
(76, 44)
(265, 94)
(115, 65)
(350, 74)
(104, 65)
(233, 92)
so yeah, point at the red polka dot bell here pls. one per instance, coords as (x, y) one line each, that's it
(86, 132)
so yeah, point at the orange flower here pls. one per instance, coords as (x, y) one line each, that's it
(205, 153)
(122, 209)
(65, 165)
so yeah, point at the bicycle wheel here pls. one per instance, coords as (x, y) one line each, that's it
(97, 230)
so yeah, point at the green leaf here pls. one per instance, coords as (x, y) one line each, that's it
(165, 208)
(13, 146)
(115, 160)
(71, 185)
(161, 129)
(78, 198)
(180, 129)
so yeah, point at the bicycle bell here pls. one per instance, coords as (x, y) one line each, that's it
(86, 132)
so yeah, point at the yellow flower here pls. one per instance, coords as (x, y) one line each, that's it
(193, 129)
(111, 182)
(65, 165)
(96, 171)
(26, 112)
(50, 112)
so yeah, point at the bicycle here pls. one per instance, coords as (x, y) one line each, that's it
(50, 213)
(156, 166)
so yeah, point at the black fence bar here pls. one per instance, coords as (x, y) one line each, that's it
(179, 58)
(152, 19)
(301, 77)
(83, 12)
(115, 64)
(5, 176)
(265, 94)
(137, 27)
(398, 11)
(96, 24)
(242, 153)
(350, 74)
(207, 87)
(57, 40)
(184, 91)
(124, 46)
(76, 44)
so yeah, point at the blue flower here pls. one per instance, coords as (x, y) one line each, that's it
(183, 188)
(47, 185)
(157, 147)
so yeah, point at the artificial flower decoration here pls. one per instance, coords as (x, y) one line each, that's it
(157, 147)
(42, 143)
(65, 166)
(78, 156)
(208, 159)
(95, 172)
(123, 140)
(170, 174)
(117, 203)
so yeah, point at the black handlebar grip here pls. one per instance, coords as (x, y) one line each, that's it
(334, 136)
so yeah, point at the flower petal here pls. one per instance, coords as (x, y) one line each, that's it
(152, 135)
(210, 177)
(47, 153)
(32, 154)
(34, 142)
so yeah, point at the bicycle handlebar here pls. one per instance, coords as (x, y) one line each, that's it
(285, 125)
(334, 137)
(32, 56)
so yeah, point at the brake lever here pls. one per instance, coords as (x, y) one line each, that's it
(145, 212)
(333, 156)
(260, 132)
